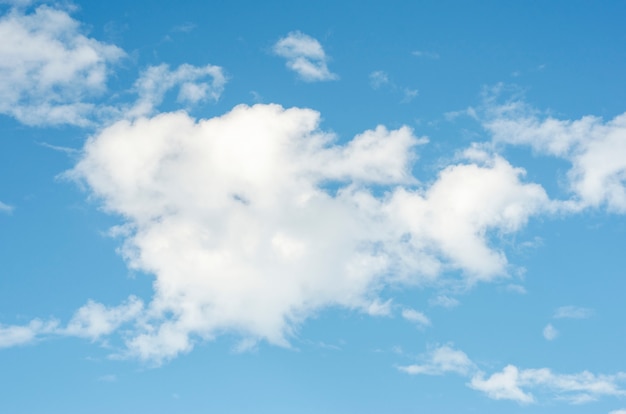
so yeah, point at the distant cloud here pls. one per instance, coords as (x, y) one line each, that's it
(516, 384)
(378, 78)
(416, 317)
(444, 301)
(305, 56)
(550, 333)
(409, 95)
(5, 208)
(623, 411)
(572, 312)
(441, 360)
(108, 378)
(49, 70)
(425, 54)
(15, 335)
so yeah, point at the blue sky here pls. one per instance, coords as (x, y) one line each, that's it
(306, 207)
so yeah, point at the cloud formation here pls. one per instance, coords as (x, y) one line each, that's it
(596, 150)
(305, 56)
(196, 84)
(515, 384)
(49, 70)
(253, 220)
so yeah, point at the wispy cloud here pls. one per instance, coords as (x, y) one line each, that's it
(5, 208)
(513, 383)
(550, 332)
(378, 78)
(305, 56)
(425, 54)
(572, 312)
(444, 301)
(416, 317)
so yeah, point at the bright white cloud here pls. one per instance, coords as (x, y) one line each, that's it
(49, 70)
(305, 56)
(5, 208)
(440, 361)
(196, 84)
(623, 411)
(94, 320)
(233, 217)
(574, 388)
(572, 312)
(14, 335)
(515, 384)
(416, 317)
(595, 148)
(502, 386)
(550, 332)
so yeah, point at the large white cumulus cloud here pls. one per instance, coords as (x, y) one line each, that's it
(253, 220)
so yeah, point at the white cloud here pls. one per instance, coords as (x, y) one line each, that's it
(233, 217)
(193, 82)
(623, 411)
(444, 301)
(378, 78)
(5, 208)
(14, 335)
(416, 317)
(574, 388)
(572, 312)
(440, 361)
(513, 383)
(595, 148)
(550, 332)
(49, 70)
(502, 386)
(94, 320)
(305, 56)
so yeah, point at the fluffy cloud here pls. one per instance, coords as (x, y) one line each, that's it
(94, 320)
(516, 384)
(253, 220)
(595, 148)
(575, 388)
(192, 81)
(305, 56)
(14, 335)
(49, 70)
(440, 361)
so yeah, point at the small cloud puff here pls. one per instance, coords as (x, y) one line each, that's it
(550, 332)
(305, 56)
